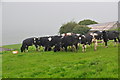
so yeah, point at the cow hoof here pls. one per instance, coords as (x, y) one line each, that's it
(55, 51)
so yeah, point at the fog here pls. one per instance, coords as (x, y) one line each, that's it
(22, 20)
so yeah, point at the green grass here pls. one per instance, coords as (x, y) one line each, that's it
(102, 63)
(0, 66)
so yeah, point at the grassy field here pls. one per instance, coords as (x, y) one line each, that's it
(102, 63)
(0, 65)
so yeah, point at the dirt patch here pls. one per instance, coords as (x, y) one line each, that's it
(5, 49)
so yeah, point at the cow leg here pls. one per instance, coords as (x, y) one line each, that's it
(61, 49)
(76, 47)
(26, 48)
(95, 45)
(37, 49)
(55, 50)
(49, 48)
(45, 48)
(118, 39)
(115, 42)
(83, 48)
(66, 48)
(102, 42)
(106, 44)
(22, 48)
(78, 44)
(73, 48)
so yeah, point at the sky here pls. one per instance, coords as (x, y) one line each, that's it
(0, 23)
(60, 0)
(21, 20)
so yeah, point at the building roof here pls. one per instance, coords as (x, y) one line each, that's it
(103, 26)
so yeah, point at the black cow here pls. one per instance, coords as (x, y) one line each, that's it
(44, 42)
(105, 37)
(56, 42)
(71, 40)
(111, 35)
(28, 42)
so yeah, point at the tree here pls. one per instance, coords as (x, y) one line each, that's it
(68, 27)
(87, 22)
(81, 29)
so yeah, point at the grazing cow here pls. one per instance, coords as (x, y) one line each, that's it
(45, 42)
(71, 40)
(89, 38)
(97, 35)
(84, 40)
(56, 43)
(111, 35)
(49, 42)
(28, 42)
(105, 37)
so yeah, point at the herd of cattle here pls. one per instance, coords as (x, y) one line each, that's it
(61, 42)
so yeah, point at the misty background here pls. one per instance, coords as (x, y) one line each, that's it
(21, 20)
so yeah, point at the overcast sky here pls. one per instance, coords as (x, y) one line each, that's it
(26, 19)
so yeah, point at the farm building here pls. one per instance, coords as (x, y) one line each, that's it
(104, 26)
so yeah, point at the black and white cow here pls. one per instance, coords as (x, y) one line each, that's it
(49, 42)
(90, 38)
(70, 40)
(97, 35)
(105, 36)
(84, 40)
(28, 42)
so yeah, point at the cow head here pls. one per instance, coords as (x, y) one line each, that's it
(22, 49)
(104, 32)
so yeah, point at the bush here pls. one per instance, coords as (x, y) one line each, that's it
(81, 29)
(87, 22)
(68, 27)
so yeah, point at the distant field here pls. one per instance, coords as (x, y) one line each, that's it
(102, 63)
